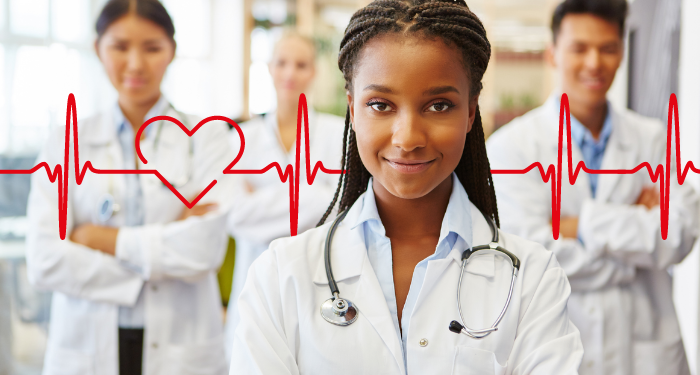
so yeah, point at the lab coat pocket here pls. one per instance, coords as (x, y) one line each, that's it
(660, 357)
(60, 361)
(202, 359)
(475, 361)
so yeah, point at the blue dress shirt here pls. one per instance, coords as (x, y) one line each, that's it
(456, 231)
(133, 317)
(592, 149)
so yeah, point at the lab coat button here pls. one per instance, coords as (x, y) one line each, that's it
(154, 345)
(154, 288)
(590, 364)
(423, 342)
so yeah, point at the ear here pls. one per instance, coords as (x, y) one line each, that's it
(549, 55)
(351, 108)
(473, 103)
(174, 51)
(97, 49)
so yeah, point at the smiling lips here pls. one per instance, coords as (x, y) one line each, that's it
(134, 82)
(409, 166)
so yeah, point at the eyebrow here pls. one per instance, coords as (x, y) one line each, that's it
(431, 91)
(440, 90)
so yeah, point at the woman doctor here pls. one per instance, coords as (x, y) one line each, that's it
(262, 215)
(418, 193)
(135, 283)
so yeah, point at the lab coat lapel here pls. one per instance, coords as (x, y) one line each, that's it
(481, 234)
(349, 259)
(619, 154)
(372, 305)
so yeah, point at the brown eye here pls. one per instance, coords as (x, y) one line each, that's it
(379, 106)
(440, 107)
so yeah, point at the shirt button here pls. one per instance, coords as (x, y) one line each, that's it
(590, 364)
(591, 311)
(154, 288)
(423, 342)
(154, 345)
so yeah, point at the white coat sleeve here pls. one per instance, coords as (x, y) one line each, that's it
(261, 345)
(633, 234)
(524, 209)
(191, 248)
(547, 342)
(64, 266)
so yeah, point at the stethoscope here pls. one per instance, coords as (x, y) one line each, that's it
(342, 312)
(107, 206)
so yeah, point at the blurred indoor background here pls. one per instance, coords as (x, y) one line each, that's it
(223, 46)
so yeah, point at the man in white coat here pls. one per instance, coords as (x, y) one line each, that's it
(610, 242)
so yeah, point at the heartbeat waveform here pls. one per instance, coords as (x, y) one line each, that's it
(662, 172)
(291, 173)
(60, 172)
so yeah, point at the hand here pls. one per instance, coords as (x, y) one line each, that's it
(568, 227)
(648, 198)
(96, 237)
(249, 187)
(197, 210)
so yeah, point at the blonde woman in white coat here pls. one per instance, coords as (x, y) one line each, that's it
(262, 214)
(134, 282)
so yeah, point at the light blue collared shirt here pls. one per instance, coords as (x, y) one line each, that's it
(592, 149)
(455, 232)
(133, 317)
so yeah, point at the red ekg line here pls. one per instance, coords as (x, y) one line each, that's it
(60, 172)
(662, 172)
(291, 173)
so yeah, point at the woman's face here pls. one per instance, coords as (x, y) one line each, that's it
(135, 53)
(292, 68)
(411, 109)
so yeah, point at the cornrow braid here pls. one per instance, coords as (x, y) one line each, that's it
(456, 25)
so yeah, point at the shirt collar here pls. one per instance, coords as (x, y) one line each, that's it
(580, 134)
(122, 123)
(457, 217)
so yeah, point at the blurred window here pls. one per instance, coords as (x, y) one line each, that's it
(2, 14)
(47, 52)
(29, 17)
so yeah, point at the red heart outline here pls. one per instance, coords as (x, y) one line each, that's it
(137, 145)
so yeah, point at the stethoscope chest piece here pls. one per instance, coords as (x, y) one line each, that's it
(106, 208)
(339, 311)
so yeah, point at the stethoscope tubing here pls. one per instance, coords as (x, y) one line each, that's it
(333, 316)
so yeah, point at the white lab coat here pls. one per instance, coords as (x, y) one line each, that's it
(174, 267)
(621, 290)
(262, 216)
(282, 331)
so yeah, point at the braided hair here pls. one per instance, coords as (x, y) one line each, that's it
(456, 25)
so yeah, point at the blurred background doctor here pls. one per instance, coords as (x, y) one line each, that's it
(134, 284)
(262, 215)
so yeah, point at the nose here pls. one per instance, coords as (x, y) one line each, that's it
(409, 132)
(135, 60)
(593, 59)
